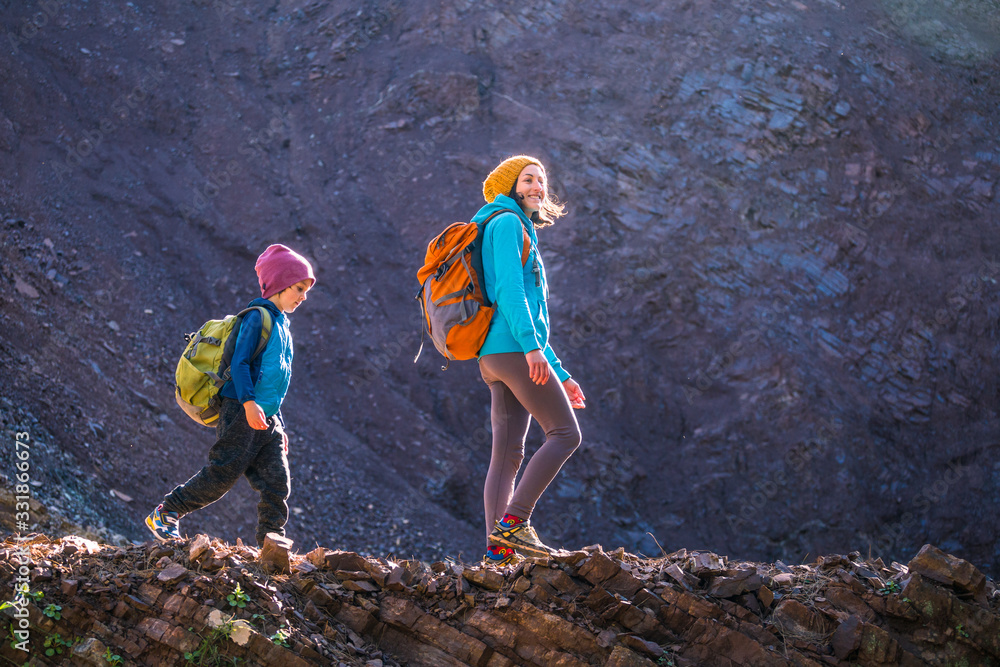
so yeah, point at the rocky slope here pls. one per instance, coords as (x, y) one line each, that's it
(776, 282)
(206, 602)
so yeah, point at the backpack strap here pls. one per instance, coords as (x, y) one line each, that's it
(266, 325)
(477, 250)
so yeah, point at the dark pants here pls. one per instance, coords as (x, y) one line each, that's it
(240, 450)
(515, 399)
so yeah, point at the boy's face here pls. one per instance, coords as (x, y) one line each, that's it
(288, 299)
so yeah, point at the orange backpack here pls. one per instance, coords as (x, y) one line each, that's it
(453, 303)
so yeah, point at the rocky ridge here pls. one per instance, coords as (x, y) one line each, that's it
(202, 601)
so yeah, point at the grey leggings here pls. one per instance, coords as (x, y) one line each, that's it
(515, 400)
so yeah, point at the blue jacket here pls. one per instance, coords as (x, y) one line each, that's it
(266, 378)
(521, 321)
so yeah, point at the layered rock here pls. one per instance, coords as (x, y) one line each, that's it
(208, 602)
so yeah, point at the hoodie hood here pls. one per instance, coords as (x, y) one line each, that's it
(504, 202)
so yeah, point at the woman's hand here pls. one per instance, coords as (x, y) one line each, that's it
(538, 367)
(255, 416)
(575, 394)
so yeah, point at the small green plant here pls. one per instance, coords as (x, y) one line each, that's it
(53, 611)
(959, 630)
(54, 645)
(281, 637)
(665, 661)
(891, 588)
(34, 595)
(114, 660)
(207, 652)
(238, 598)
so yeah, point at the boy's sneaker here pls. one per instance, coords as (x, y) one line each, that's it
(498, 556)
(520, 536)
(164, 525)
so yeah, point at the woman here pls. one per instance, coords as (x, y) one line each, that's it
(525, 377)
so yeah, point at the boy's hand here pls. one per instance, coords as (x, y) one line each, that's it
(255, 416)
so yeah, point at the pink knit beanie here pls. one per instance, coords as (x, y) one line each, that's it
(280, 267)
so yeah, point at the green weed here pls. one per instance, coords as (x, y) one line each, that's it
(238, 598)
(891, 588)
(54, 645)
(114, 660)
(207, 652)
(281, 637)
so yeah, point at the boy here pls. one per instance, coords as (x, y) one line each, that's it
(251, 439)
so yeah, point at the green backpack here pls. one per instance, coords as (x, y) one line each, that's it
(204, 366)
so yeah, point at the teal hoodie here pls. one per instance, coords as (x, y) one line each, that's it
(521, 321)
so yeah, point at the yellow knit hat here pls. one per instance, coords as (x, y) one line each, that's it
(502, 179)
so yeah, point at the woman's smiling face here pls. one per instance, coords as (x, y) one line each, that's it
(531, 188)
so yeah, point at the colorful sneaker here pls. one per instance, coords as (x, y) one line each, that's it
(498, 556)
(164, 525)
(520, 536)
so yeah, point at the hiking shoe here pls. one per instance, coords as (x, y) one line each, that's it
(520, 536)
(164, 525)
(499, 556)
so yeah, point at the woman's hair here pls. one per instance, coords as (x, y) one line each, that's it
(547, 213)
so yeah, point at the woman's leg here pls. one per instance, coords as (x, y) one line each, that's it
(510, 422)
(550, 407)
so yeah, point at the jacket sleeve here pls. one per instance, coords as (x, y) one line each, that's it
(246, 343)
(553, 360)
(508, 239)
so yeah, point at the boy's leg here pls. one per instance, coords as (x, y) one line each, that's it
(268, 475)
(229, 457)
